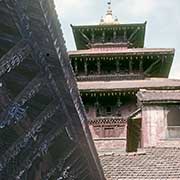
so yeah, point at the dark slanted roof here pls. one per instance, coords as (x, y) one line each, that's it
(134, 85)
(155, 163)
(135, 32)
(44, 132)
(159, 96)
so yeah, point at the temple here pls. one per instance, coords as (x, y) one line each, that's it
(44, 133)
(132, 106)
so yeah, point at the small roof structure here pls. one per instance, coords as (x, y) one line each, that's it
(134, 85)
(83, 33)
(153, 163)
(158, 96)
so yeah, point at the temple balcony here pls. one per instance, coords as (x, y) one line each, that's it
(115, 120)
(109, 133)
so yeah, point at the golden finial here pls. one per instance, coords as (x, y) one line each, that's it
(108, 19)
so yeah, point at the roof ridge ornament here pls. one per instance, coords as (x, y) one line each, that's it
(108, 19)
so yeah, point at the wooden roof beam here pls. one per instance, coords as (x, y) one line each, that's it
(23, 141)
(16, 112)
(147, 71)
(133, 34)
(9, 38)
(14, 57)
(41, 149)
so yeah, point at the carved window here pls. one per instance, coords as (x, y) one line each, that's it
(173, 122)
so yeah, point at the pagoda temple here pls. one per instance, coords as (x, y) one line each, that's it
(111, 66)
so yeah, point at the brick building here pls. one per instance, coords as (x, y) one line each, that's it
(111, 66)
(132, 107)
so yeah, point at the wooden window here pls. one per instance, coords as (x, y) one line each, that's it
(173, 122)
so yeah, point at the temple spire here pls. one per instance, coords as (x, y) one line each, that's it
(108, 19)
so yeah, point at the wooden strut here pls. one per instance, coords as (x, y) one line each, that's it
(14, 57)
(40, 150)
(152, 65)
(18, 9)
(60, 166)
(16, 111)
(10, 38)
(22, 142)
(133, 34)
(38, 56)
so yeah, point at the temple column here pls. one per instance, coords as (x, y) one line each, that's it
(125, 35)
(75, 67)
(85, 68)
(92, 37)
(141, 66)
(130, 67)
(99, 67)
(117, 66)
(114, 35)
(103, 36)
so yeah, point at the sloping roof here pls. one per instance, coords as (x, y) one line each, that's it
(82, 33)
(44, 132)
(121, 51)
(155, 163)
(156, 96)
(154, 83)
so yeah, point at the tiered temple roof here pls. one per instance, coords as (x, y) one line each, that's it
(111, 66)
(135, 85)
(159, 96)
(113, 51)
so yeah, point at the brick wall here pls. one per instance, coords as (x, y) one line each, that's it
(109, 139)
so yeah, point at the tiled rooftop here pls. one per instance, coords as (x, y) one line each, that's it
(155, 163)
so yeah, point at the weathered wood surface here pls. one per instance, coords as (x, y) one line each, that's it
(47, 136)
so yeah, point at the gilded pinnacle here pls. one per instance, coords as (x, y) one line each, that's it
(108, 19)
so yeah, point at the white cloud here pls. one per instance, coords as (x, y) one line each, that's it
(142, 7)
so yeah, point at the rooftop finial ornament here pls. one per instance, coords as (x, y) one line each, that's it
(108, 19)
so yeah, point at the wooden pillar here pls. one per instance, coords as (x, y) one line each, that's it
(114, 35)
(125, 35)
(141, 66)
(75, 67)
(92, 37)
(99, 67)
(103, 36)
(117, 66)
(130, 67)
(85, 67)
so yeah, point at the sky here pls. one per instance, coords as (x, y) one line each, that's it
(162, 16)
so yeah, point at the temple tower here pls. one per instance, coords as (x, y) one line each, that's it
(111, 65)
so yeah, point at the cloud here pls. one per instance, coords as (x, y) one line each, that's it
(142, 7)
